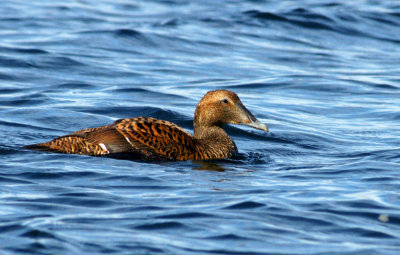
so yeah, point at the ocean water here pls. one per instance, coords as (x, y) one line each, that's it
(323, 75)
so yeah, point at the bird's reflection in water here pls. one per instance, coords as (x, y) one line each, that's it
(208, 166)
(219, 165)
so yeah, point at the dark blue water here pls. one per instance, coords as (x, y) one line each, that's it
(323, 75)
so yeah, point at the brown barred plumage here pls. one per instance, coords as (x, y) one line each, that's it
(149, 138)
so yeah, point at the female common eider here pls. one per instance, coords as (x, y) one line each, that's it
(149, 138)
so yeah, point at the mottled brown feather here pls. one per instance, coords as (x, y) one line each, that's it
(159, 136)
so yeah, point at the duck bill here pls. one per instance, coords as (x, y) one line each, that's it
(251, 121)
(258, 125)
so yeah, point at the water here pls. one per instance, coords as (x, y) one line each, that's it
(323, 75)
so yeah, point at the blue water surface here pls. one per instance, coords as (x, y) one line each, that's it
(324, 75)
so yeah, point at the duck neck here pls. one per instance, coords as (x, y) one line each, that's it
(209, 132)
(213, 140)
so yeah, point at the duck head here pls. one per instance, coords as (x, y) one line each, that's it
(220, 107)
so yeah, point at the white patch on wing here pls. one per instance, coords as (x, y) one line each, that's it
(126, 138)
(103, 147)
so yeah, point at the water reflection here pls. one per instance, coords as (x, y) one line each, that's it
(208, 166)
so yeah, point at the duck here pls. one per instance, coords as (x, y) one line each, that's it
(148, 138)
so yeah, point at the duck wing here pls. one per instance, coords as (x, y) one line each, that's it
(148, 137)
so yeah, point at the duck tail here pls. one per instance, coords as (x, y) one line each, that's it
(37, 147)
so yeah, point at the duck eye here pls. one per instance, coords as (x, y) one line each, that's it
(225, 101)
